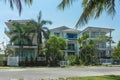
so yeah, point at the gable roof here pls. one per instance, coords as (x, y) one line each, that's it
(98, 29)
(9, 23)
(71, 30)
(60, 28)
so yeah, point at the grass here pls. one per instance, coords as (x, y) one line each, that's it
(108, 77)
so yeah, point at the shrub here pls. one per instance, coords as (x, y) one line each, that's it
(73, 59)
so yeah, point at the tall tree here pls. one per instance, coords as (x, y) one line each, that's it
(87, 49)
(40, 30)
(20, 35)
(82, 39)
(118, 45)
(88, 53)
(54, 46)
(18, 3)
(8, 51)
(91, 9)
(116, 51)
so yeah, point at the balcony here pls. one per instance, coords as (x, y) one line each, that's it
(6, 30)
(70, 36)
(98, 39)
(71, 48)
(102, 48)
(24, 46)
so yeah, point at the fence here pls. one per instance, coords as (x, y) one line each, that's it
(116, 61)
(64, 63)
(23, 61)
(1, 62)
(106, 61)
(13, 61)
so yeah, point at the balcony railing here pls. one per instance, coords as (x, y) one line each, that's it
(72, 38)
(71, 50)
(6, 30)
(24, 46)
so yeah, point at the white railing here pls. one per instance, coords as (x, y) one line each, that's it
(64, 63)
(106, 61)
(34, 58)
(13, 61)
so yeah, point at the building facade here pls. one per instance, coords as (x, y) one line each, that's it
(70, 35)
(27, 50)
(102, 39)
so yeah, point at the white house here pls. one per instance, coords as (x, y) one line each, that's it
(28, 50)
(103, 45)
(70, 35)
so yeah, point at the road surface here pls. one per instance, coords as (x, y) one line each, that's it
(55, 73)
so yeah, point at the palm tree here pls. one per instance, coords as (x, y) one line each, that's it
(82, 39)
(39, 30)
(92, 9)
(8, 52)
(20, 34)
(18, 3)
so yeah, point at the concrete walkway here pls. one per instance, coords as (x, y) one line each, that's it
(55, 73)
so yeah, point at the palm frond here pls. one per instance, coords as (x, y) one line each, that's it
(39, 16)
(21, 33)
(32, 24)
(11, 3)
(65, 3)
(14, 38)
(29, 2)
(46, 32)
(27, 39)
(87, 13)
(45, 22)
(93, 9)
(84, 2)
(110, 7)
(18, 4)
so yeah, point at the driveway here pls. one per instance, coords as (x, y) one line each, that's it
(54, 73)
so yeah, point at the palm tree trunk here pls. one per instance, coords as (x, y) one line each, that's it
(38, 45)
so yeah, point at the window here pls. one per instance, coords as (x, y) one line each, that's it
(25, 53)
(25, 42)
(71, 46)
(102, 45)
(57, 34)
(71, 53)
(102, 34)
(94, 34)
(71, 36)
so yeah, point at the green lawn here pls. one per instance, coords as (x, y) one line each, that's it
(109, 77)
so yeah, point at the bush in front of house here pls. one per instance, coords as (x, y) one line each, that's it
(73, 59)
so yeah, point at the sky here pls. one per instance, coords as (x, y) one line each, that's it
(68, 17)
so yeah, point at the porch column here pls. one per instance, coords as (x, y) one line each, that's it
(110, 43)
(89, 34)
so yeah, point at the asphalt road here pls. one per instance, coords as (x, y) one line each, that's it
(54, 73)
